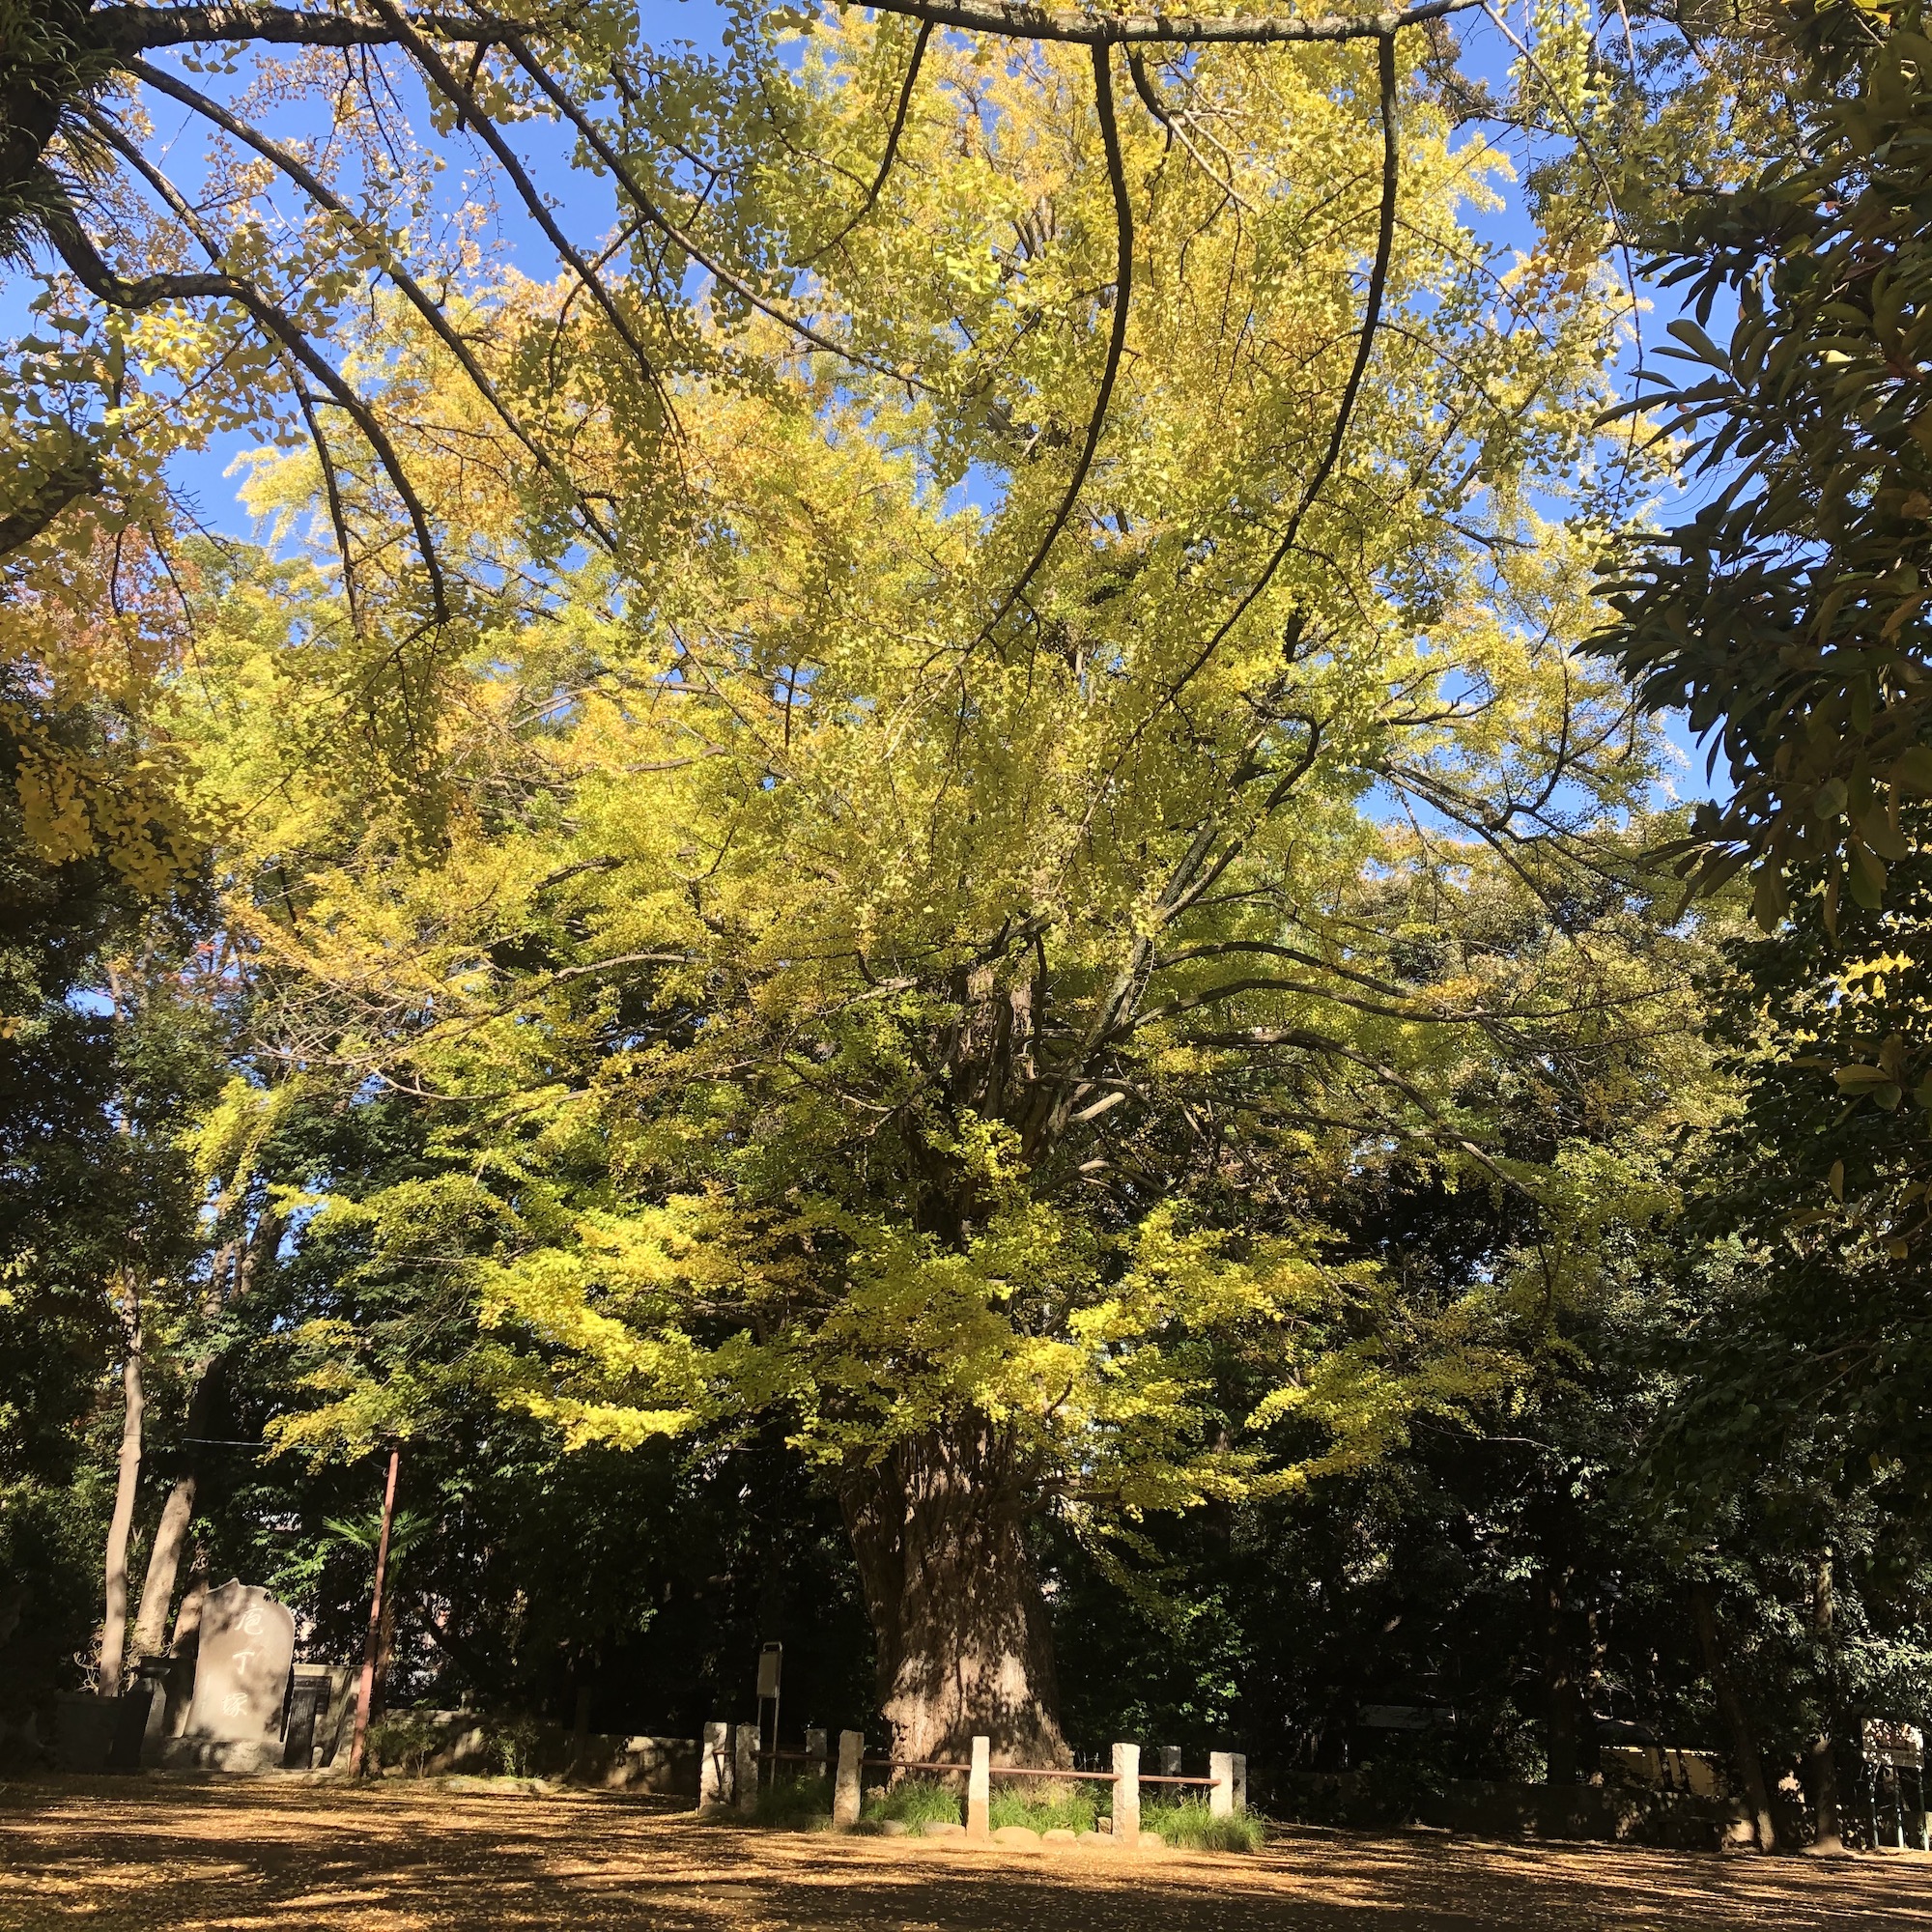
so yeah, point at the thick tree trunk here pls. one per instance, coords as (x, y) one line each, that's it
(1824, 1756)
(1737, 1719)
(114, 1624)
(157, 1589)
(1562, 1693)
(963, 1647)
(233, 1275)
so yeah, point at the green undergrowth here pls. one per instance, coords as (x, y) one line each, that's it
(1190, 1823)
(1070, 1809)
(915, 1801)
(796, 1804)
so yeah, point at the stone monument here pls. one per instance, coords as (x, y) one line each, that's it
(240, 1682)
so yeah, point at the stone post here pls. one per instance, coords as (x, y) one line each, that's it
(1221, 1793)
(1167, 1757)
(745, 1769)
(1126, 1794)
(845, 1792)
(714, 1769)
(1241, 1782)
(980, 1792)
(815, 1753)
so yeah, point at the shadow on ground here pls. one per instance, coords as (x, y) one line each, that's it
(129, 1855)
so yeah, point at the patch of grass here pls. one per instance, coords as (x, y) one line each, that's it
(796, 1804)
(1190, 1823)
(915, 1801)
(1069, 1807)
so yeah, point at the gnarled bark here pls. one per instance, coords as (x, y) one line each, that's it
(938, 1529)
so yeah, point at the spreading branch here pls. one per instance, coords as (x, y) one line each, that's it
(134, 30)
(79, 476)
(646, 206)
(84, 261)
(441, 76)
(1116, 340)
(1372, 314)
(1106, 30)
(371, 237)
(891, 153)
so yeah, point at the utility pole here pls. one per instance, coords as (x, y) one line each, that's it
(365, 1694)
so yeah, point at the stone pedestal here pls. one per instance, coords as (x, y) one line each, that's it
(215, 1754)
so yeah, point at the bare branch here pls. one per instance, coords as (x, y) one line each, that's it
(139, 29)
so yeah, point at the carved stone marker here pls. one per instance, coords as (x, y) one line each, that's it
(241, 1672)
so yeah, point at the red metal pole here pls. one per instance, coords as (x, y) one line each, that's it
(366, 1694)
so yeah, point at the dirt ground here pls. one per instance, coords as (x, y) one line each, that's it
(139, 1856)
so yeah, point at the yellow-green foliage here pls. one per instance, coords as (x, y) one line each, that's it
(848, 992)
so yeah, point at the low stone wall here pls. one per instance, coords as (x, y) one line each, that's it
(431, 1744)
(1677, 1820)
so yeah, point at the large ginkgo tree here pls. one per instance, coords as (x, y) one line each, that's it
(1089, 724)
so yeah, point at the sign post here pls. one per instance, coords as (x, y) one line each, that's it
(771, 1666)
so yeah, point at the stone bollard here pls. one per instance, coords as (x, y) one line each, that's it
(745, 1769)
(1167, 1757)
(1126, 1794)
(714, 1769)
(815, 1753)
(980, 1792)
(845, 1793)
(1241, 1766)
(1221, 1793)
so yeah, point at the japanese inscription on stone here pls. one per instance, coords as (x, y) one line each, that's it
(242, 1674)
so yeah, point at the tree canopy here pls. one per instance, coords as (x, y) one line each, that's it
(938, 852)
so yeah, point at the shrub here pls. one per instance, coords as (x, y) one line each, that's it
(1045, 1807)
(404, 1738)
(915, 1801)
(796, 1804)
(514, 1747)
(1190, 1822)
